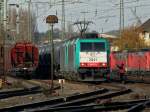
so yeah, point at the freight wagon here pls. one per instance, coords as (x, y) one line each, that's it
(24, 59)
(43, 69)
(135, 62)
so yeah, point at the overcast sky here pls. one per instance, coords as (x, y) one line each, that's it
(103, 13)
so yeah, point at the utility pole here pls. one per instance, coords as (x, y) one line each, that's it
(5, 15)
(4, 40)
(17, 20)
(63, 20)
(139, 22)
(1, 39)
(1, 6)
(29, 21)
(120, 24)
(0, 11)
(121, 16)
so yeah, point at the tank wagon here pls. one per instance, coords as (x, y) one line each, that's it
(44, 64)
(24, 58)
(43, 69)
(86, 58)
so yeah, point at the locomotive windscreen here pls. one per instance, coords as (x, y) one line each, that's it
(92, 46)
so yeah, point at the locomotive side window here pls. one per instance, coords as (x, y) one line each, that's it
(95, 46)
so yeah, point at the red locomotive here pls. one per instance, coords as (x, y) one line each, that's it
(24, 58)
(135, 62)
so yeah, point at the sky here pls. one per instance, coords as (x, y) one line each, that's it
(104, 14)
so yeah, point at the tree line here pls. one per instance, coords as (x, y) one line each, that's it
(130, 39)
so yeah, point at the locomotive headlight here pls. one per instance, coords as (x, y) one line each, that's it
(82, 64)
(104, 64)
(25, 68)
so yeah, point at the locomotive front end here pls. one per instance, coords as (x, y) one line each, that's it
(93, 55)
(93, 59)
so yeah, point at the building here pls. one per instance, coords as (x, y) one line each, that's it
(145, 27)
(111, 39)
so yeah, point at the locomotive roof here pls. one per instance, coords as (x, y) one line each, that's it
(85, 36)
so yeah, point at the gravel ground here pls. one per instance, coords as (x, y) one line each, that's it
(73, 88)
(140, 91)
(147, 110)
(68, 89)
(21, 100)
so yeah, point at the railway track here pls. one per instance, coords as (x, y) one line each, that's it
(140, 106)
(20, 92)
(82, 102)
(29, 87)
(33, 82)
(23, 82)
(51, 101)
(138, 79)
(75, 100)
(115, 86)
(132, 78)
(97, 107)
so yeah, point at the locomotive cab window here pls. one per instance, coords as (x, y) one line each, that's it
(86, 47)
(94, 46)
(99, 46)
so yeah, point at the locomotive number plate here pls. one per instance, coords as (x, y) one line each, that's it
(93, 59)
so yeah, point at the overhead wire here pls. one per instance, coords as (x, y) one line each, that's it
(96, 10)
(111, 9)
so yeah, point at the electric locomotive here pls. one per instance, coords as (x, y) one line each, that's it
(86, 58)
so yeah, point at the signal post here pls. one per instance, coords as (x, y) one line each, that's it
(51, 20)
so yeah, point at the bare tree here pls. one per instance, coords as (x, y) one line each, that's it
(23, 24)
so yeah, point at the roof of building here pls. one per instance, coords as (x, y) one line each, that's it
(146, 25)
(107, 35)
(113, 33)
